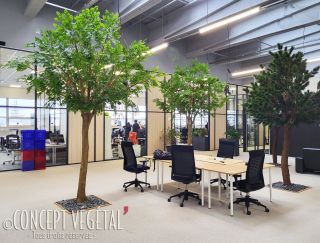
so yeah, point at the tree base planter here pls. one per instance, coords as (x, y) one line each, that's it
(200, 143)
(92, 202)
(291, 188)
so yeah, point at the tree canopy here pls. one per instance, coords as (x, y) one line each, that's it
(192, 90)
(83, 64)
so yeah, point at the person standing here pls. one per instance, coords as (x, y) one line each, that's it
(135, 126)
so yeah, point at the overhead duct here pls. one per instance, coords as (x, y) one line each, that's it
(139, 9)
(34, 7)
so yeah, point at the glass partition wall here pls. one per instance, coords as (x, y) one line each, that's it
(252, 135)
(22, 110)
(125, 124)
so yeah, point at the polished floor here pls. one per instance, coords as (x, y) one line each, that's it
(293, 217)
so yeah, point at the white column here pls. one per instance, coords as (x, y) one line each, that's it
(158, 174)
(231, 194)
(161, 176)
(209, 189)
(270, 184)
(202, 187)
(219, 186)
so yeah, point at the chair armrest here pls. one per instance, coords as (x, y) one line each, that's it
(299, 165)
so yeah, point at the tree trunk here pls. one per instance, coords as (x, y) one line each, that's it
(284, 156)
(86, 120)
(189, 127)
(274, 145)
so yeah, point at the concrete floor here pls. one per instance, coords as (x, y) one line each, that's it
(293, 217)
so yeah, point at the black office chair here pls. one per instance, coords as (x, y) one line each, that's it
(254, 180)
(226, 150)
(12, 144)
(130, 164)
(184, 170)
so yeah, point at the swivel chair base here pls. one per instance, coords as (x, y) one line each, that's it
(186, 194)
(136, 183)
(247, 200)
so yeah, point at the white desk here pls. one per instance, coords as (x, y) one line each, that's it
(208, 164)
(54, 150)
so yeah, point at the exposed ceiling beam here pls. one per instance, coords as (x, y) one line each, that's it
(138, 8)
(34, 7)
(246, 31)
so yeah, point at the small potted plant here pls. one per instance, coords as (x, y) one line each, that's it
(171, 138)
(200, 139)
(234, 134)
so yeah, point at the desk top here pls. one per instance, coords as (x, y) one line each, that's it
(227, 166)
(52, 145)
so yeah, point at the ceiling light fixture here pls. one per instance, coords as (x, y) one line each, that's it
(15, 86)
(229, 20)
(247, 72)
(317, 59)
(158, 48)
(61, 7)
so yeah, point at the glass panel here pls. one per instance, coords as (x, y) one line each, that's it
(21, 102)
(54, 121)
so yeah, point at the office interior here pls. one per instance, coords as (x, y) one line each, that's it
(235, 47)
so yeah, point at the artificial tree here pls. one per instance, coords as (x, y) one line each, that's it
(281, 92)
(260, 106)
(85, 66)
(192, 91)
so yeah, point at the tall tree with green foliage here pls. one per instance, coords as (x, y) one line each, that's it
(259, 104)
(85, 66)
(192, 91)
(280, 94)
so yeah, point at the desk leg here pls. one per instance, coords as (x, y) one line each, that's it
(162, 176)
(219, 186)
(270, 184)
(231, 194)
(158, 174)
(146, 177)
(227, 186)
(209, 189)
(202, 187)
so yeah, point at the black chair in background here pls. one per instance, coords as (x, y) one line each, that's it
(254, 180)
(226, 150)
(130, 164)
(12, 145)
(184, 170)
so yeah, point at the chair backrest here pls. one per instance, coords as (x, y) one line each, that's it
(129, 158)
(183, 163)
(13, 141)
(254, 173)
(226, 148)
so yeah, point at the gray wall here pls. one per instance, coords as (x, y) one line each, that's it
(16, 29)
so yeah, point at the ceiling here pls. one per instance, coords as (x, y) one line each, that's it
(243, 43)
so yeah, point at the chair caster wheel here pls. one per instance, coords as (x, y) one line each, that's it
(229, 206)
(248, 212)
(149, 186)
(142, 190)
(169, 200)
(200, 202)
(181, 204)
(267, 210)
(125, 190)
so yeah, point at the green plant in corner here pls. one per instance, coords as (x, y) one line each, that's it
(85, 66)
(192, 91)
(280, 97)
(233, 133)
